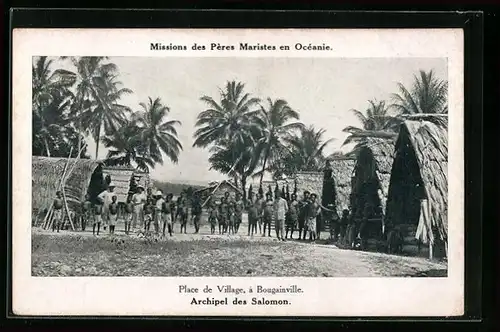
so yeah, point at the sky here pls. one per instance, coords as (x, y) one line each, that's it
(322, 90)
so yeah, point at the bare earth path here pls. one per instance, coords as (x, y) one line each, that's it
(81, 254)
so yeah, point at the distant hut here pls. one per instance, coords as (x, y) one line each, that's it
(87, 177)
(120, 176)
(216, 191)
(342, 171)
(418, 193)
(370, 183)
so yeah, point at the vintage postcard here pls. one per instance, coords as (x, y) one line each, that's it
(238, 172)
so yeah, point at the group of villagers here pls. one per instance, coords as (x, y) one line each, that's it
(145, 208)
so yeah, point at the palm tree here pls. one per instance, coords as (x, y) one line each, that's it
(276, 126)
(230, 119)
(305, 152)
(104, 114)
(51, 96)
(158, 135)
(376, 122)
(124, 146)
(90, 73)
(428, 95)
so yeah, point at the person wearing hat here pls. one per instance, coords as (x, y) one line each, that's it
(138, 200)
(106, 198)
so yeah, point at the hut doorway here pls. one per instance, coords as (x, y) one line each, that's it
(366, 204)
(406, 190)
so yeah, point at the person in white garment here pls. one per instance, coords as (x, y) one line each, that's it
(138, 200)
(106, 197)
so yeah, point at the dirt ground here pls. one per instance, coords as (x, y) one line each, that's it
(80, 253)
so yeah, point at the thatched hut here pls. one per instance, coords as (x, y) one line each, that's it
(87, 177)
(370, 183)
(217, 190)
(418, 193)
(341, 173)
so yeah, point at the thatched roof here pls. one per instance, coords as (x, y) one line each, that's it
(120, 177)
(382, 152)
(429, 141)
(310, 181)
(46, 176)
(342, 172)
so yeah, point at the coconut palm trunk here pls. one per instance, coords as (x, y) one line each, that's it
(264, 164)
(97, 140)
(46, 143)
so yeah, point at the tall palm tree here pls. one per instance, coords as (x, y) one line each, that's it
(124, 148)
(305, 151)
(104, 114)
(376, 122)
(89, 72)
(230, 119)
(50, 96)
(428, 95)
(157, 134)
(276, 125)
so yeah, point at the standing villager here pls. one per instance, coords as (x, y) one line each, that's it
(158, 213)
(196, 211)
(238, 212)
(58, 212)
(166, 210)
(113, 214)
(97, 217)
(302, 216)
(148, 214)
(138, 200)
(292, 216)
(280, 211)
(223, 212)
(106, 198)
(313, 209)
(128, 214)
(344, 222)
(86, 208)
(212, 217)
(253, 216)
(267, 214)
(182, 210)
(259, 204)
(331, 218)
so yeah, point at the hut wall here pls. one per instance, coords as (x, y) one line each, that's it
(342, 172)
(310, 181)
(121, 179)
(46, 176)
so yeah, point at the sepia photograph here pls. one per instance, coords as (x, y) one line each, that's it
(238, 172)
(242, 167)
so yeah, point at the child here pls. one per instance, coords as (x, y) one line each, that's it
(148, 214)
(196, 211)
(113, 214)
(238, 212)
(128, 215)
(58, 212)
(97, 217)
(182, 210)
(212, 218)
(231, 216)
(268, 214)
(223, 211)
(86, 211)
(344, 222)
(313, 211)
(292, 216)
(167, 209)
(158, 210)
(253, 216)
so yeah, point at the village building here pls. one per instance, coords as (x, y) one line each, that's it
(418, 194)
(370, 184)
(216, 191)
